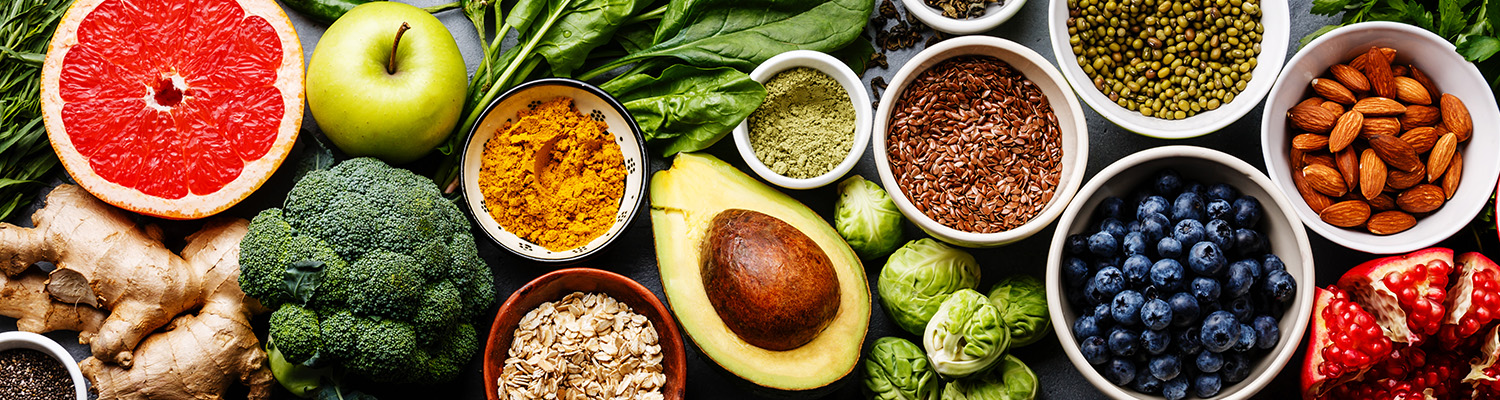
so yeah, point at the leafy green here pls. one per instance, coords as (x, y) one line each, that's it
(302, 278)
(586, 25)
(26, 156)
(965, 336)
(919, 276)
(867, 218)
(898, 370)
(1479, 47)
(1468, 24)
(690, 106)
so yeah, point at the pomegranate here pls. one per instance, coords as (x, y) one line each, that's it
(1405, 293)
(1346, 342)
(1484, 373)
(1473, 299)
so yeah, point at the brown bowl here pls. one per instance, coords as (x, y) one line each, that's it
(555, 285)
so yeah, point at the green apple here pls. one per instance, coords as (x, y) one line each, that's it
(371, 103)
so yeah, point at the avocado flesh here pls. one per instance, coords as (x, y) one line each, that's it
(684, 200)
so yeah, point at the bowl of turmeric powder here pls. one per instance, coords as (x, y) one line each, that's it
(554, 170)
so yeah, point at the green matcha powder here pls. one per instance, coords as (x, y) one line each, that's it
(805, 127)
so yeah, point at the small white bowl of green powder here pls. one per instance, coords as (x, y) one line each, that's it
(814, 124)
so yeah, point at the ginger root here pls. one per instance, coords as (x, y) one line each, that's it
(148, 345)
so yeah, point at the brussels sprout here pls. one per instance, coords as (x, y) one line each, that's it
(867, 218)
(919, 276)
(1022, 301)
(1010, 379)
(965, 336)
(898, 370)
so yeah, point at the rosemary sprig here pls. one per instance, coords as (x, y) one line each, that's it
(26, 158)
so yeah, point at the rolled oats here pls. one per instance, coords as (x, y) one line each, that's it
(585, 346)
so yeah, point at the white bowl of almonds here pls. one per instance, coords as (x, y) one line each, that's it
(1374, 153)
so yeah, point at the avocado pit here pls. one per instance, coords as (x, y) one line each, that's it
(769, 282)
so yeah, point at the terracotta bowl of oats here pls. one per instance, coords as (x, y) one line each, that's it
(584, 332)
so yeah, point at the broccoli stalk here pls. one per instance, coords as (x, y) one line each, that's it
(308, 382)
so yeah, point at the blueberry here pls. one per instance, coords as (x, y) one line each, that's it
(1177, 388)
(1217, 209)
(1126, 307)
(1113, 227)
(1094, 350)
(1272, 263)
(1236, 368)
(1078, 244)
(1241, 308)
(1136, 268)
(1103, 244)
(1188, 206)
(1187, 341)
(1246, 212)
(1267, 332)
(1241, 277)
(1168, 248)
(1165, 366)
(1219, 232)
(1102, 312)
(1196, 188)
(1124, 342)
(1280, 286)
(1249, 243)
(1156, 226)
(1134, 243)
(1145, 383)
(1207, 385)
(1168, 182)
(1247, 339)
(1156, 314)
(1119, 371)
(1222, 191)
(1167, 274)
(1112, 207)
(1132, 226)
(1188, 231)
(1220, 331)
(1209, 362)
(1086, 326)
(1205, 289)
(1155, 341)
(1151, 205)
(1075, 271)
(1184, 309)
(1206, 259)
(1105, 285)
(1076, 297)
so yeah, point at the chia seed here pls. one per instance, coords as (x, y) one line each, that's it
(31, 374)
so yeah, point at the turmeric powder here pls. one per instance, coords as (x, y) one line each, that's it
(578, 193)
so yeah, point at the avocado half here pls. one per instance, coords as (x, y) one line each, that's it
(684, 201)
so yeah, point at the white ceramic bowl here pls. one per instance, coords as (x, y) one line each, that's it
(1280, 225)
(28, 340)
(1435, 57)
(857, 95)
(1075, 135)
(1274, 16)
(591, 101)
(994, 15)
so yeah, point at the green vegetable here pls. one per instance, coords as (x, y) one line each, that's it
(308, 382)
(1022, 301)
(1468, 24)
(867, 218)
(26, 156)
(898, 370)
(965, 336)
(395, 281)
(919, 276)
(690, 106)
(1010, 379)
(325, 11)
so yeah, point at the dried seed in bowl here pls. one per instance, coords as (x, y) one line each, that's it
(33, 375)
(585, 346)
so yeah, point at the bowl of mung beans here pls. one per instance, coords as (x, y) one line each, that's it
(1170, 69)
(980, 142)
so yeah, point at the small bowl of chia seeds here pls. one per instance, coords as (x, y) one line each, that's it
(35, 367)
(813, 125)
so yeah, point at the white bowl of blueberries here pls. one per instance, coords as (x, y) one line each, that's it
(1180, 272)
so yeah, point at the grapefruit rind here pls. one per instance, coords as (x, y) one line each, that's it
(254, 173)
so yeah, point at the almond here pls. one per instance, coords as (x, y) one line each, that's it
(1455, 172)
(1346, 214)
(1390, 222)
(1372, 174)
(1398, 71)
(1418, 116)
(1310, 141)
(1325, 180)
(1410, 91)
(1312, 118)
(1442, 154)
(1350, 77)
(1333, 91)
(1316, 201)
(1401, 180)
(1377, 68)
(1295, 158)
(1380, 126)
(1456, 117)
(1345, 130)
(1432, 92)
(1396, 152)
(1421, 139)
(1383, 202)
(1359, 62)
(1379, 107)
(1347, 162)
(1421, 198)
(1310, 101)
(1323, 159)
(1336, 108)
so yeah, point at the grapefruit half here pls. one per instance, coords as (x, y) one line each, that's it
(173, 108)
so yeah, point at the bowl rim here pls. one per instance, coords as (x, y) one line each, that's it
(993, 17)
(1266, 73)
(635, 130)
(1062, 195)
(667, 331)
(1349, 238)
(1291, 339)
(841, 73)
(34, 341)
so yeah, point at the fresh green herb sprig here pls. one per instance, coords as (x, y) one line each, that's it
(26, 157)
(1468, 24)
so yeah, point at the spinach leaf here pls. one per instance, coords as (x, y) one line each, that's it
(523, 13)
(693, 107)
(856, 55)
(585, 25)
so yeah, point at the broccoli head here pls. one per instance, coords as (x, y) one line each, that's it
(361, 259)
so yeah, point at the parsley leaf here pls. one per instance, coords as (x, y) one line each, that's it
(1478, 48)
(1329, 7)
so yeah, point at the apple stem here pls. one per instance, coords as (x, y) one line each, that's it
(390, 68)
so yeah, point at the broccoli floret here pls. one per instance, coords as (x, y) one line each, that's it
(400, 283)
